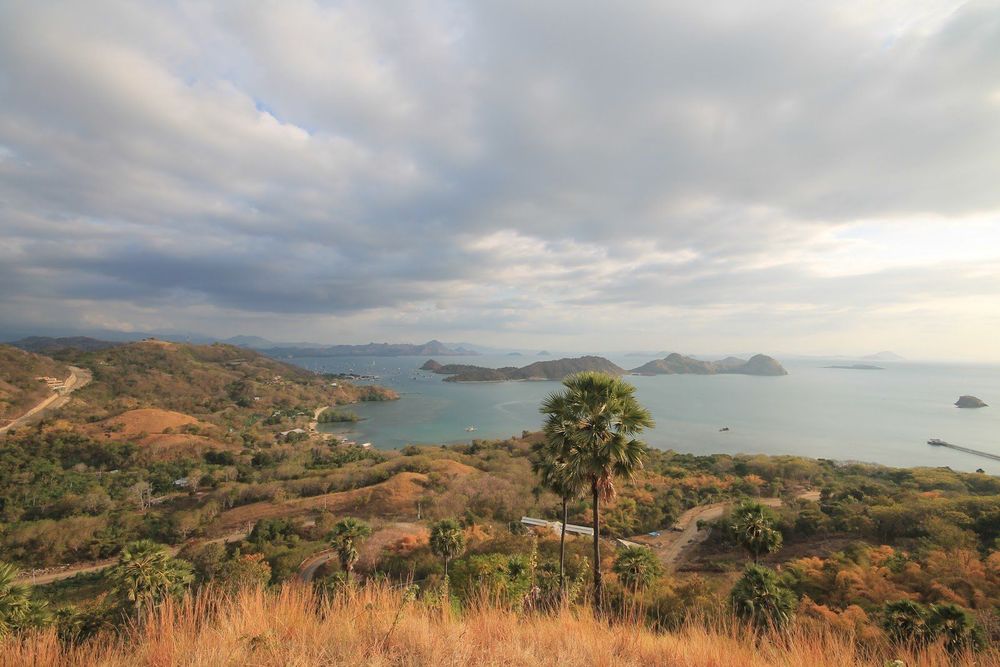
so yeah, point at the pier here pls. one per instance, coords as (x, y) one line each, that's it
(967, 450)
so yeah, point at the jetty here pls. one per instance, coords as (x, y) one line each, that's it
(941, 443)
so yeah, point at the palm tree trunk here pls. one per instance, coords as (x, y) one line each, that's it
(445, 568)
(598, 582)
(562, 549)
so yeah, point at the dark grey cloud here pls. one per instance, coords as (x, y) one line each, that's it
(500, 168)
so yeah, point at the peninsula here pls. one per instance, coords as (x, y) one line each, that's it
(540, 370)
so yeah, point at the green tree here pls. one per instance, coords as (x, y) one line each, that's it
(146, 574)
(598, 417)
(955, 626)
(346, 536)
(549, 463)
(760, 598)
(752, 526)
(637, 567)
(906, 622)
(447, 541)
(15, 601)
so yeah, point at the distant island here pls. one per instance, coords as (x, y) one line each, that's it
(545, 353)
(759, 364)
(859, 367)
(885, 355)
(678, 364)
(970, 402)
(540, 370)
(432, 347)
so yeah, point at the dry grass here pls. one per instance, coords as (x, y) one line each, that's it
(375, 627)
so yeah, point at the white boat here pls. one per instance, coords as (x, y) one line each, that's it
(470, 429)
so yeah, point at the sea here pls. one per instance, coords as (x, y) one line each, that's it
(877, 416)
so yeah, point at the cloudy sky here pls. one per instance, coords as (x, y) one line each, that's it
(694, 176)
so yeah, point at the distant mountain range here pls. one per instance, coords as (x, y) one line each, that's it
(430, 348)
(48, 344)
(884, 356)
(759, 364)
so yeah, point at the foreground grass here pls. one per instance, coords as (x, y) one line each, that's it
(376, 626)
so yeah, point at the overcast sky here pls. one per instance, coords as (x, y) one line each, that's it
(811, 177)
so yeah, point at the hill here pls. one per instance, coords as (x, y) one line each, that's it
(885, 355)
(49, 345)
(678, 364)
(220, 384)
(540, 370)
(432, 347)
(20, 388)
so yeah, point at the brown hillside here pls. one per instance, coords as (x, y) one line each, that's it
(144, 421)
(395, 497)
(19, 390)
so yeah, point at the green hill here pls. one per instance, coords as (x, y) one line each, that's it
(19, 387)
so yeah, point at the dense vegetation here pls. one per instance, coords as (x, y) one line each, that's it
(19, 387)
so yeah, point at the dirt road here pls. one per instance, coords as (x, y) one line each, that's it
(670, 544)
(78, 377)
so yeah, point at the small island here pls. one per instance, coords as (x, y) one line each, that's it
(540, 370)
(970, 402)
(859, 367)
(678, 364)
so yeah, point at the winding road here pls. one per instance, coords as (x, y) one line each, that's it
(78, 378)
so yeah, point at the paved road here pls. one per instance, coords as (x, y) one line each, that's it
(78, 377)
(671, 544)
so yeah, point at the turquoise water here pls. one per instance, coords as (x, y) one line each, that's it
(878, 416)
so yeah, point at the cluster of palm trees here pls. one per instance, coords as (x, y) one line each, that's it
(591, 430)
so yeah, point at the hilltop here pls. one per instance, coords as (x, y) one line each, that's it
(539, 370)
(49, 345)
(432, 347)
(678, 364)
(20, 387)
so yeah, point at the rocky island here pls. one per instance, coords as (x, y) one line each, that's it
(970, 402)
(678, 364)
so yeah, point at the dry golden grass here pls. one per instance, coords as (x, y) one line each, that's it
(375, 627)
(144, 421)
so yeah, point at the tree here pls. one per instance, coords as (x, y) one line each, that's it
(15, 601)
(752, 526)
(761, 599)
(955, 626)
(146, 574)
(906, 622)
(549, 463)
(637, 567)
(447, 541)
(598, 417)
(346, 536)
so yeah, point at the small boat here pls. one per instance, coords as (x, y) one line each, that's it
(470, 429)
(936, 442)
(724, 428)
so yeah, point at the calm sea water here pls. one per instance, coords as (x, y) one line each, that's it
(877, 416)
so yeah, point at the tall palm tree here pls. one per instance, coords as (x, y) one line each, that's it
(598, 417)
(447, 541)
(753, 526)
(146, 574)
(345, 538)
(549, 463)
(637, 567)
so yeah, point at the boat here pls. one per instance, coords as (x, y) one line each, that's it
(936, 442)
(724, 428)
(470, 429)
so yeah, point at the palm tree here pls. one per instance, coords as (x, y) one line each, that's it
(752, 526)
(597, 418)
(345, 538)
(637, 567)
(15, 600)
(956, 626)
(146, 574)
(447, 541)
(907, 622)
(760, 598)
(549, 464)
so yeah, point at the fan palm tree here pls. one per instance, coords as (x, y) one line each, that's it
(637, 567)
(345, 538)
(760, 598)
(549, 463)
(447, 541)
(752, 525)
(15, 600)
(146, 574)
(598, 417)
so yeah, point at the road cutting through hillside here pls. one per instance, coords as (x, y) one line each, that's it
(78, 378)
(671, 543)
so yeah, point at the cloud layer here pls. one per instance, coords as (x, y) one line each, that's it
(795, 176)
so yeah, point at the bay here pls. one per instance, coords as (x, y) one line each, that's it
(883, 416)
